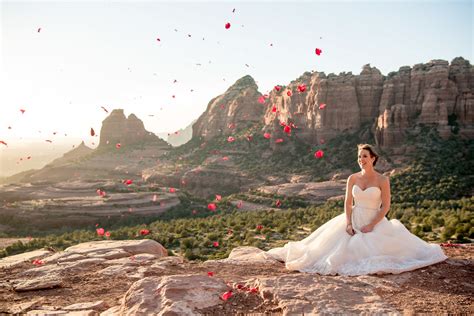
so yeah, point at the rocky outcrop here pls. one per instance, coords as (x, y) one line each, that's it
(118, 129)
(234, 110)
(81, 281)
(437, 94)
(72, 155)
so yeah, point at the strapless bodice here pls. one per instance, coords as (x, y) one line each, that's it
(370, 198)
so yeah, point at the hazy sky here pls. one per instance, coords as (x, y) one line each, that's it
(90, 54)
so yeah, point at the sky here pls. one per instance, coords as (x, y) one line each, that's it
(62, 61)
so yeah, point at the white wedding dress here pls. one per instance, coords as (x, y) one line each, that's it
(330, 250)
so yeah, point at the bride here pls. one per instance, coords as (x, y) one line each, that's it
(361, 240)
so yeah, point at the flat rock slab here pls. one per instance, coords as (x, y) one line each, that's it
(117, 248)
(172, 295)
(246, 255)
(311, 294)
(37, 283)
(15, 260)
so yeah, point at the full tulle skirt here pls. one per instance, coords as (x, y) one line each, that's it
(330, 250)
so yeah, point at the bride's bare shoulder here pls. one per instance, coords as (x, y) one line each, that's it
(382, 178)
(353, 176)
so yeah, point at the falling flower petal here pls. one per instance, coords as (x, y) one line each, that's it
(277, 88)
(100, 231)
(154, 198)
(230, 139)
(274, 109)
(158, 39)
(279, 140)
(318, 51)
(118, 145)
(226, 295)
(322, 106)
(227, 25)
(172, 190)
(261, 99)
(278, 203)
(144, 232)
(3, 143)
(128, 182)
(210, 273)
(302, 88)
(239, 205)
(259, 227)
(22, 111)
(104, 109)
(218, 197)
(288, 93)
(215, 244)
(211, 207)
(37, 262)
(92, 132)
(287, 129)
(319, 154)
(267, 135)
(39, 29)
(49, 140)
(253, 290)
(107, 234)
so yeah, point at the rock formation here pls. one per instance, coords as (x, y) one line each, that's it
(130, 277)
(117, 128)
(231, 111)
(437, 94)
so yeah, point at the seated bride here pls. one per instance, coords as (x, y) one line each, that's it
(361, 240)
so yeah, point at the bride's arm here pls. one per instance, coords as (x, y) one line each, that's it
(385, 188)
(348, 206)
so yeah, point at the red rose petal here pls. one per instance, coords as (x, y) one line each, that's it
(302, 88)
(3, 143)
(278, 203)
(319, 154)
(288, 93)
(267, 135)
(277, 88)
(100, 231)
(118, 145)
(227, 25)
(218, 197)
(261, 99)
(226, 295)
(279, 140)
(287, 129)
(92, 132)
(215, 244)
(210, 273)
(211, 207)
(128, 182)
(230, 139)
(274, 109)
(318, 51)
(322, 106)
(104, 109)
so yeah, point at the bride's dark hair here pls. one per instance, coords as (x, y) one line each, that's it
(371, 150)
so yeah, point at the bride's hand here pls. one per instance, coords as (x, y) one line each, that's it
(367, 229)
(350, 230)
